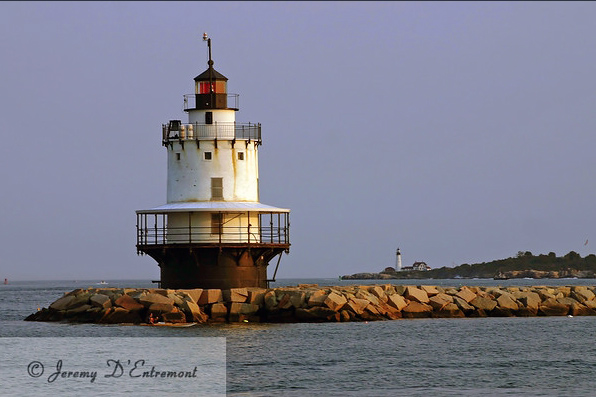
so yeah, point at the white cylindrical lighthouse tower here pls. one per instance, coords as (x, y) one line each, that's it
(398, 261)
(213, 232)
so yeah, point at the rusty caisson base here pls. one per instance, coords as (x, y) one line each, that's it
(213, 266)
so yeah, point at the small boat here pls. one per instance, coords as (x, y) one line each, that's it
(163, 324)
(102, 283)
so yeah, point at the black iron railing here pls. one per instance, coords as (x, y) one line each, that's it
(153, 229)
(175, 130)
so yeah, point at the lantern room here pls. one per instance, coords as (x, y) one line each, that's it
(211, 90)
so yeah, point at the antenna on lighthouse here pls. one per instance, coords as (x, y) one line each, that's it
(208, 40)
(210, 63)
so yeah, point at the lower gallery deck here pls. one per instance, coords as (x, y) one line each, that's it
(213, 249)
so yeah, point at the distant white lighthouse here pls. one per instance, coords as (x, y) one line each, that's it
(213, 232)
(398, 261)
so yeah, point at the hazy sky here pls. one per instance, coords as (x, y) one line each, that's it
(460, 132)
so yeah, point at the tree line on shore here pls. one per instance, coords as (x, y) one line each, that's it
(522, 261)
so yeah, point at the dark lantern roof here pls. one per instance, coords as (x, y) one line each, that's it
(216, 76)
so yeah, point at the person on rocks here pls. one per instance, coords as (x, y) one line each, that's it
(152, 319)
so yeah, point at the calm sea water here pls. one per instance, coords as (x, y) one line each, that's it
(539, 356)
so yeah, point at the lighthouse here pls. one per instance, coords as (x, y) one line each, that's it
(398, 260)
(213, 232)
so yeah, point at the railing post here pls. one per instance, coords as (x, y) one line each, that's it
(163, 228)
(145, 240)
(278, 227)
(220, 226)
(155, 220)
(260, 220)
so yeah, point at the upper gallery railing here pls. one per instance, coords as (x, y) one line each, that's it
(175, 130)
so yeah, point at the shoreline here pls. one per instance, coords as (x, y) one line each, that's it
(314, 303)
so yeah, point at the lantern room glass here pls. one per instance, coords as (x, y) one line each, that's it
(202, 87)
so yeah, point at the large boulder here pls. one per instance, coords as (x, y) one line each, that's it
(239, 295)
(195, 293)
(100, 300)
(439, 301)
(70, 302)
(113, 293)
(415, 294)
(464, 306)
(371, 313)
(525, 311)
(356, 305)
(551, 307)
(127, 302)
(160, 308)
(270, 300)
(546, 293)
(346, 316)
(256, 296)
(379, 292)
(578, 309)
(528, 299)
(243, 311)
(389, 311)
(159, 291)
(175, 316)
(317, 314)
(152, 298)
(450, 310)
(177, 297)
(568, 301)
(193, 312)
(317, 298)
(76, 311)
(219, 312)
(243, 308)
(400, 289)
(209, 296)
(119, 315)
(483, 303)
(335, 301)
(417, 310)
(91, 315)
(397, 301)
(505, 301)
(566, 291)
(430, 290)
(590, 304)
(466, 294)
(362, 293)
(292, 298)
(285, 301)
(582, 295)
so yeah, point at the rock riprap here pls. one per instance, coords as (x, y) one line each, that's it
(311, 303)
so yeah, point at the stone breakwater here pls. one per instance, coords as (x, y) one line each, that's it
(311, 303)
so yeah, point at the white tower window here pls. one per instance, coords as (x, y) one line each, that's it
(240, 155)
(216, 188)
(178, 156)
(207, 155)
